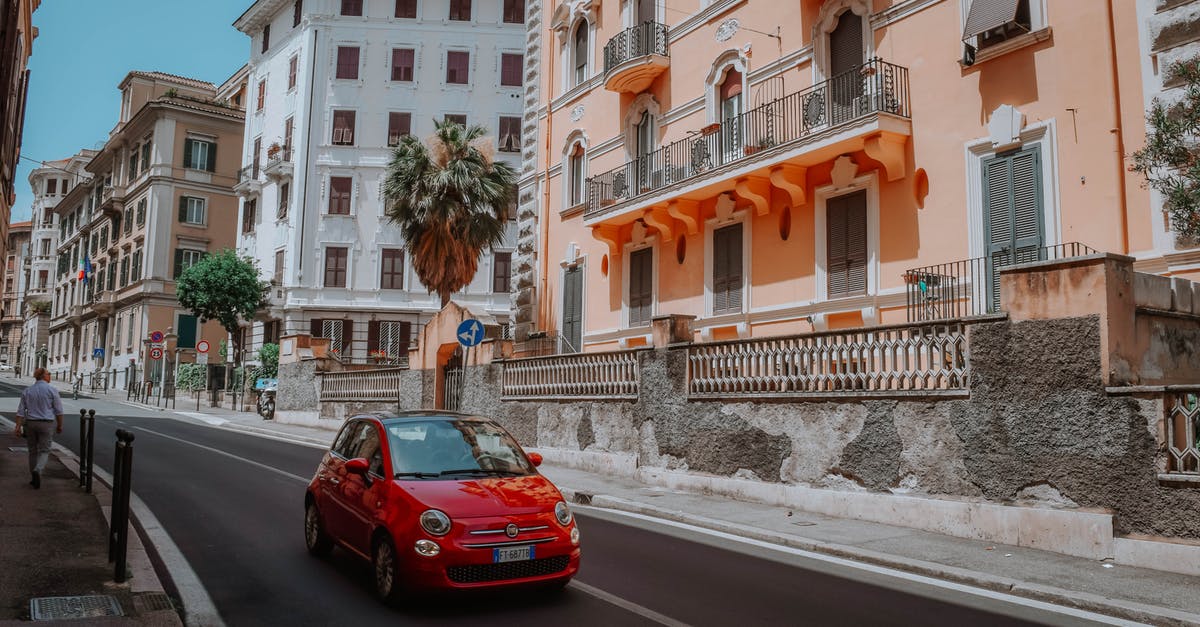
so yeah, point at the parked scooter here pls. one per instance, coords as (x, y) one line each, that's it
(266, 397)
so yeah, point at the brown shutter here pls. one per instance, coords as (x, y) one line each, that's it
(315, 327)
(984, 15)
(835, 239)
(373, 336)
(641, 286)
(646, 11)
(347, 336)
(856, 243)
(727, 269)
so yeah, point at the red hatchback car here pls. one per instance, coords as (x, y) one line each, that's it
(438, 500)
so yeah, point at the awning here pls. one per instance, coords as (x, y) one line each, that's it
(988, 14)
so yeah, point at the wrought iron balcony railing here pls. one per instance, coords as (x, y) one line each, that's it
(971, 287)
(642, 40)
(872, 88)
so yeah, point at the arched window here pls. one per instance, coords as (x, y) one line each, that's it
(579, 50)
(731, 94)
(575, 175)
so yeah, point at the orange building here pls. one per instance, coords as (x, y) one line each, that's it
(826, 164)
(17, 33)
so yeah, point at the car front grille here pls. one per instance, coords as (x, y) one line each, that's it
(479, 573)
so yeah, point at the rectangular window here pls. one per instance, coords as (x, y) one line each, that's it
(141, 212)
(460, 10)
(514, 11)
(406, 9)
(135, 271)
(347, 62)
(266, 38)
(509, 135)
(112, 278)
(338, 332)
(343, 128)
(145, 159)
(501, 273)
(293, 67)
(335, 266)
(249, 214)
(727, 269)
(189, 327)
(511, 65)
(846, 244)
(277, 277)
(458, 64)
(191, 210)
(352, 7)
(457, 118)
(403, 61)
(128, 222)
(262, 95)
(641, 287)
(133, 163)
(399, 125)
(297, 13)
(125, 271)
(389, 339)
(199, 154)
(257, 155)
(285, 190)
(51, 187)
(184, 259)
(340, 188)
(289, 125)
(43, 279)
(391, 275)
(271, 332)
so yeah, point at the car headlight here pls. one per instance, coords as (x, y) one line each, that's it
(562, 513)
(435, 522)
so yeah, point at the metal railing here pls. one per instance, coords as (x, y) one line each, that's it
(249, 173)
(283, 155)
(932, 357)
(1183, 433)
(361, 385)
(971, 287)
(542, 345)
(642, 40)
(874, 87)
(612, 375)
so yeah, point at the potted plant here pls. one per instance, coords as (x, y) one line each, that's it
(273, 150)
(711, 128)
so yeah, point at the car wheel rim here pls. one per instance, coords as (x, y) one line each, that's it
(312, 526)
(384, 568)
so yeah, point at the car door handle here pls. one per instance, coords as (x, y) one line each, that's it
(334, 480)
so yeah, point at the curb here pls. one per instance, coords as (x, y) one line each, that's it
(1128, 610)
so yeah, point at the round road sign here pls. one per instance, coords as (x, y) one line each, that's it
(156, 353)
(202, 346)
(470, 332)
(156, 336)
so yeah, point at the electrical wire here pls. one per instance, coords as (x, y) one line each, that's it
(740, 27)
(50, 167)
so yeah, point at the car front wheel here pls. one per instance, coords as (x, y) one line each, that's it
(315, 538)
(384, 562)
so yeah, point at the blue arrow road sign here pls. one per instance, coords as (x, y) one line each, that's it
(470, 332)
(97, 353)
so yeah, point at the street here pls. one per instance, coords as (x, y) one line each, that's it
(232, 504)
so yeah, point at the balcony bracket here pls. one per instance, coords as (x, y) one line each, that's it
(658, 218)
(757, 191)
(687, 212)
(610, 235)
(888, 149)
(792, 180)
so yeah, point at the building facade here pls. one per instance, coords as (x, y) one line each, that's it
(333, 85)
(17, 33)
(160, 197)
(835, 167)
(11, 323)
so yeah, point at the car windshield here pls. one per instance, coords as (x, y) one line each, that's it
(446, 448)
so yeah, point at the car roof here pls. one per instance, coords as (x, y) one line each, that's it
(419, 414)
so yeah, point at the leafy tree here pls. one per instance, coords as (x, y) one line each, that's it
(268, 355)
(1170, 161)
(450, 198)
(191, 377)
(226, 288)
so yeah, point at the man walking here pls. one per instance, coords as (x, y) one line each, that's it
(39, 411)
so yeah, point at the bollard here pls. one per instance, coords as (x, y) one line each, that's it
(82, 447)
(87, 448)
(118, 541)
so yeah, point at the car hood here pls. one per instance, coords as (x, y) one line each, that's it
(493, 496)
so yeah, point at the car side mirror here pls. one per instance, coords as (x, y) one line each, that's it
(358, 466)
(535, 458)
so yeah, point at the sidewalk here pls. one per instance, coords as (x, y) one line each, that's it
(54, 543)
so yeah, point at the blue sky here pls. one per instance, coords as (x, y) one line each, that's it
(85, 48)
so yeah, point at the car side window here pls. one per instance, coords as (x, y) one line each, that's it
(369, 448)
(347, 440)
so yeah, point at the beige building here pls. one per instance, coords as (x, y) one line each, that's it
(160, 198)
(14, 282)
(17, 33)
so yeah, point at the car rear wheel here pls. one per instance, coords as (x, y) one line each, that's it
(385, 566)
(315, 538)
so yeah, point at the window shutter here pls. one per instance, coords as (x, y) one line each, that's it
(183, 208)
(727, 269)
(845, 44)
(572, 330)
(178, 262)
(405, 338)
(984, 15)
(315, 327)
(835, 238)
(187, 153)
(1027, 204)
(372, 336)
(856, 243)
(212, 157)
(641, 281)
(347, 336)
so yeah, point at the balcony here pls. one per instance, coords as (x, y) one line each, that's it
(279, 165)
(105, 302)
(75, 315)
(112, 200)
(635, 57)
(249, 182)
(864, 109)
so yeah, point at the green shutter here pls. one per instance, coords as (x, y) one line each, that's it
(187, 153)
(178, 262)
(572, 329)
(183, 208)
(1012, 213)
(212, 157)
(186, 332)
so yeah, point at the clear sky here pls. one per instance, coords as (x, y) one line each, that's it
(85, 48)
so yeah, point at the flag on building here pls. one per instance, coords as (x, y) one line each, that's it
(85, 268)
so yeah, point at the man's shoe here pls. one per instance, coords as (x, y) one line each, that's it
(37, 480)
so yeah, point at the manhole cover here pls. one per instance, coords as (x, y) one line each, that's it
(152, 602)
(58, 608)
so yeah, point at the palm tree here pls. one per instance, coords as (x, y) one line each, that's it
(451, 199)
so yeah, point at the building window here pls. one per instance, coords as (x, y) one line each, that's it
(284, 191)
(128, 224)
(277, 277)
(141, 212)
(514, 11)
(257, 157)
(347, 62)
(191, 210)
(271, 332)
(262, 95)
(249, 214)
(846, 245)
(340, 188)
(730, 95)
(580, 52)
(990, 23)
(727, 265)
(509, 134)
(145, 161)
(184, 259)
(135, 271)
(641, 287)
(403, 60)
(51, 187)
(399, 125)
(199, 154)
(458, 67)
(406, 9)
(293, 66)
(391, 274)
(297, 12)
(575, 175)
(460, 10)
(510, 69)
(352, 7)
(133, 163)
(289, 125)
(335, 266)
(266, 37)
(339, 333)
(343, 128)
(389, 339)
(457, 118)
(125, 269)
(501, 272)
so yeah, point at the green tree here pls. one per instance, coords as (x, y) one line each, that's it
(226, 288)
(1170, 161)
(450, 198)
(268, 355)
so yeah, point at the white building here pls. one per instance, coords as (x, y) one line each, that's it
(332, 84)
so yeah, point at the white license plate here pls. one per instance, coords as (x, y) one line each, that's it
(512, 554)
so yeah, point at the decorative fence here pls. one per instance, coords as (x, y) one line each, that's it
(361, 385)
(1183, 433)
(933, 357)
(635, 42)
(613, 375)
(971, 287)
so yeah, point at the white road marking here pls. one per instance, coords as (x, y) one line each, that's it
(629, 606)
(205, 418)
(879, 570)
(273, 469)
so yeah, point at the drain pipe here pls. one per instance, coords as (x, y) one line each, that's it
(543, 314)
(312, 90)
(1117, 128)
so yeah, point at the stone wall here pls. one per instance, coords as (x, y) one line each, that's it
(524, 276)
(298, 387)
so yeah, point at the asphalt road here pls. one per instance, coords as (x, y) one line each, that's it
(233, 505)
